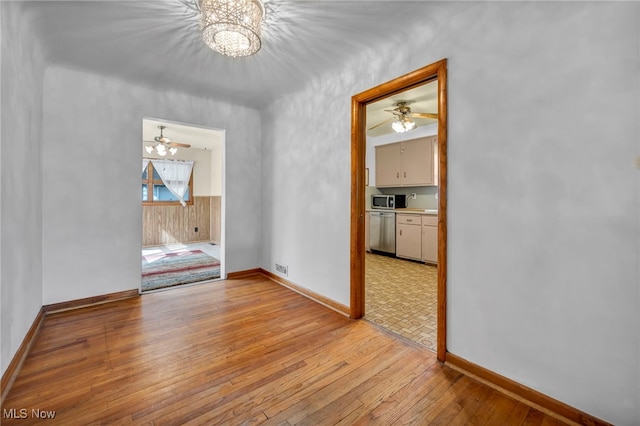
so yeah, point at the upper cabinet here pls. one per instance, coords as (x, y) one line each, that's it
(388, 164)
(409, 163)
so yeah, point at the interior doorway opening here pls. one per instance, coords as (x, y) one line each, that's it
(434, 72)
(182, 205)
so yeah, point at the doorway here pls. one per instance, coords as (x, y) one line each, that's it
(438, 72)
(182, 205)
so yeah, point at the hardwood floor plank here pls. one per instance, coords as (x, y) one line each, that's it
(471, 403)
(375, 390)
(480, 410)
(518, 413)
(534, 418)
(389, 410)
(244, 351)
(313, 390)
(316, 375)
(439, 402)
(312, 410)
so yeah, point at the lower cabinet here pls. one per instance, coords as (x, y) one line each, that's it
(417, 237)
(430, 239)
(408, 238)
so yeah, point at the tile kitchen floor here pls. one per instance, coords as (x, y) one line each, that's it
(401, 296)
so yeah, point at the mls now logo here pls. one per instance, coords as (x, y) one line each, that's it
(23, 413)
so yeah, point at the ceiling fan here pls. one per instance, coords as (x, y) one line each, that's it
(403, 113)
(163, 143)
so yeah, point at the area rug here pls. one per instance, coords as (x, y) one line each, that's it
(170, 269)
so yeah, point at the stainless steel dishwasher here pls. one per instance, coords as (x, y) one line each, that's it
(382, 231)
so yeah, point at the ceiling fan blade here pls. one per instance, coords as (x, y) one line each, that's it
(381, 123)
(183, 145)
(423, 115)
(394, 111)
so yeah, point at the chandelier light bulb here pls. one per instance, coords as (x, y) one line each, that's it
(149, 149)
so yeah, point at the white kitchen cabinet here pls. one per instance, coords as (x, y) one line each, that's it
(408, 163)
(408, 236)
(388, 165)
(417, 162)
(430, 239)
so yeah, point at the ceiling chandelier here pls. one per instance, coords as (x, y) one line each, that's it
(232, 27)
(404, 124)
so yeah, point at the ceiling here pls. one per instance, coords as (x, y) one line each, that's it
(158, 44)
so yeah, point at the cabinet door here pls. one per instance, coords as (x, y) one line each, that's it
(408, 243)
(388, 165)
(430, 244)
(417, 162)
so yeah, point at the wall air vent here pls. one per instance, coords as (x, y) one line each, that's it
(282, 269)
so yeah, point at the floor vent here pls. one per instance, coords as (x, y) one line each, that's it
(282, 269)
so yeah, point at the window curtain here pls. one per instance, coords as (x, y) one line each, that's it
(145, 163)
(175, 176)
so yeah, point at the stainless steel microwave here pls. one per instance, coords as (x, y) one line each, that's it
(388, 202)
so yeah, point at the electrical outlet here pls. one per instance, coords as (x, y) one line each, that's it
(282, 269)
(195, 229)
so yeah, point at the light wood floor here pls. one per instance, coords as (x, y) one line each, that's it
(243, 351)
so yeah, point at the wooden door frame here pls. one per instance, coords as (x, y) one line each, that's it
(437, 70)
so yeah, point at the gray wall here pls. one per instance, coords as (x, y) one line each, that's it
(20, 180)
(543, 191)
(91, 173)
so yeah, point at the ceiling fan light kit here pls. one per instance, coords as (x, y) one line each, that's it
(164, 145)
(232, 27)
(403, 125)
(160, 150)
(404, 114)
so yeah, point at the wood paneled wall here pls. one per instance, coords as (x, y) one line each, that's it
(174, 224)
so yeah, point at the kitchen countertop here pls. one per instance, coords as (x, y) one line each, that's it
(417, 211)
(408, 211)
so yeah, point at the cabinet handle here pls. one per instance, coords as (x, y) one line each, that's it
(401, 232)
(409, 220)
(405, 174)
(398, 175)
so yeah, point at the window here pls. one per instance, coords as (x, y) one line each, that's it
(154, 191)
